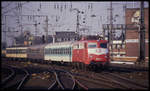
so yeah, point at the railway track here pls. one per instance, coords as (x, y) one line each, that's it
(99, 82)
(131, 84)
(110, 80)
(15, 80)
(7, 73)
(65, 79)
(40, 78)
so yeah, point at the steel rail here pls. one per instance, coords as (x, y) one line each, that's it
(81, 85)
(52, 86)
(74, 82)
(7, 78)
(23, 80)
(55, 83)
(104, 79)
(58, 81)
(114, 81)
(128, 80)
(96, 82)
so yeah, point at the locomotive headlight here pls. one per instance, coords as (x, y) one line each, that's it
(90, 56)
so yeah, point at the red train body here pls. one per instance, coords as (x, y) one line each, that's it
(90, 52)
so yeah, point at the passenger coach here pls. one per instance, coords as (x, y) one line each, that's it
(61, 52)
(36, 52)
(16, 52)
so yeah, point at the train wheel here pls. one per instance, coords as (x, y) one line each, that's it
(78, 65)
(82, 66)
(73, 65)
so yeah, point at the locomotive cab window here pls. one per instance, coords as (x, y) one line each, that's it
(103, 45)
(92, 45)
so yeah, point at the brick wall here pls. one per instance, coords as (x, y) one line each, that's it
(132, 49)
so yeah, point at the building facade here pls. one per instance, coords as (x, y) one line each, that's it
(65, 36)
(132, 45)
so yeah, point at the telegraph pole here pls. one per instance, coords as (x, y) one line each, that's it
(77, 25)
(35, 28)
(110, 32)
(142, 34)
(46, 29)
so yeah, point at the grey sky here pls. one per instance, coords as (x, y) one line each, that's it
(66, 19)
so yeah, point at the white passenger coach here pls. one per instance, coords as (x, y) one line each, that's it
(59, 52)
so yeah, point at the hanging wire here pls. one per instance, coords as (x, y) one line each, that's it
(54, 5)
(71, 5)
(61, 7)
(65, 6)
(57, 6)
(40, 5)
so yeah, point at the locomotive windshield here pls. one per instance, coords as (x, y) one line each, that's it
(92, 45)
(103, 45)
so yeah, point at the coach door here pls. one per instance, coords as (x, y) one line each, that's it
(78, 52)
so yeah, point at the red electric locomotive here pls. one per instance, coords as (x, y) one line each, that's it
(91, 52)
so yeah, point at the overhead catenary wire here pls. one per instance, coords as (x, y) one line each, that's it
(10, 10)
(7, 5)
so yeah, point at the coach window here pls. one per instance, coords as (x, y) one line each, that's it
(20, 51)
(92, 45)
(64, 50)
(59, 51)
(45, 51)
(15, 51)
(81, 46)
(75, 46)
(8, 51)
(55, 51)
(114, 46)
(103, 45)
(67, 50)
(52, 51)
(119, 46)
(123, 46)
